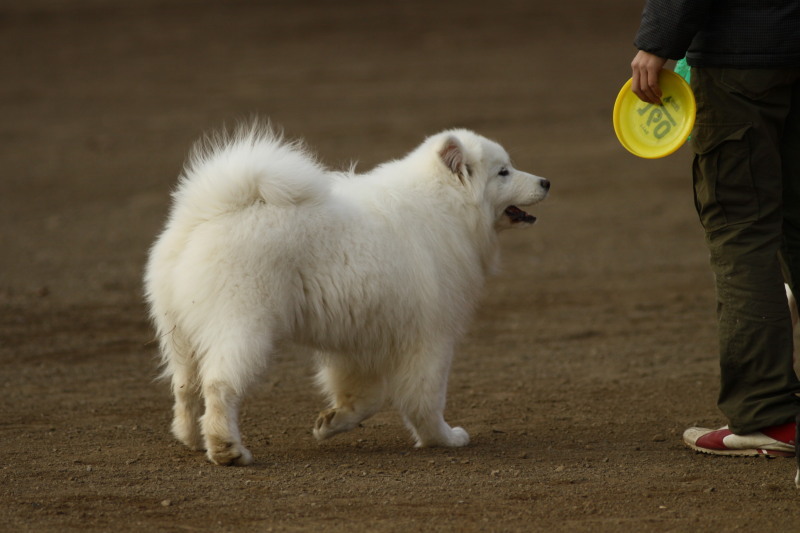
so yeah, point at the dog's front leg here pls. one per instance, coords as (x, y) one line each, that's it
(420, 394)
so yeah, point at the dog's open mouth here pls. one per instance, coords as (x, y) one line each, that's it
(518, 216)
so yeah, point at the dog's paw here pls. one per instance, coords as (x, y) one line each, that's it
(188, 433)
(229, 454)
(322, 426)
(331, 422)
(452, 438)
(458, 437)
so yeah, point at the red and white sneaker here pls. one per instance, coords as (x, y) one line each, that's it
(775, 441)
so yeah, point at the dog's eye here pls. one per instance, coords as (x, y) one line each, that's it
(503, 172)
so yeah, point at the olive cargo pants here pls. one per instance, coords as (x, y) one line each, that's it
(746, 175)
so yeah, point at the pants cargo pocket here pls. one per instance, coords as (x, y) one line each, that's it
(724, 190)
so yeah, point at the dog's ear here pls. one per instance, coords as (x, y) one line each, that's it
(452, 155)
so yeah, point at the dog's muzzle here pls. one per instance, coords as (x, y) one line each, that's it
(519, 216)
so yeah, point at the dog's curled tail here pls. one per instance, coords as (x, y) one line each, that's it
(226, 172)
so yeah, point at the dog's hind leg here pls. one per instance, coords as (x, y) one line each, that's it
(188, 406)
(355, 395)
(420, 391)
(221, 425)
(181, 365)
(226, 371)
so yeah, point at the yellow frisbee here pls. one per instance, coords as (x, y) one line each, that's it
(652, 131)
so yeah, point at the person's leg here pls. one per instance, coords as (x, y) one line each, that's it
(790, 155)
(738, 191)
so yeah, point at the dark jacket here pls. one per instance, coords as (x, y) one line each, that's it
(723, 33)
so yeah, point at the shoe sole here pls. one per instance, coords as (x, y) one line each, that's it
(740, 453)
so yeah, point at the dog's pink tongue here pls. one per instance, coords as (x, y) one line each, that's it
(518, 215)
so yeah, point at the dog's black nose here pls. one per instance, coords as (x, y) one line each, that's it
(545, 184)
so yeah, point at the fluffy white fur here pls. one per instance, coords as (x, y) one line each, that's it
(378, 273)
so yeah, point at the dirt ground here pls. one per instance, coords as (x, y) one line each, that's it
(594, 347)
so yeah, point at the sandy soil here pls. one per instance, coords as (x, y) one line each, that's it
(593, 350)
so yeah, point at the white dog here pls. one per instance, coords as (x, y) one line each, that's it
(378, 273)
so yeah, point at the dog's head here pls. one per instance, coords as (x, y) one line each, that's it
(484, 167)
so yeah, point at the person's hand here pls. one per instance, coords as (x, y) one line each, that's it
(646, 67)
